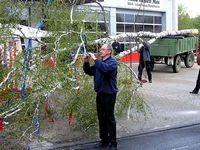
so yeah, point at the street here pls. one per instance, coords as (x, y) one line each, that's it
(184, 138)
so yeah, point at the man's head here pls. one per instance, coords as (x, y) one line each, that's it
(105, 50)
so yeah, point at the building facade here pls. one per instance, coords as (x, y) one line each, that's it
(140, 15)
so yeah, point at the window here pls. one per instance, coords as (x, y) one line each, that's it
(158, 29)
(148, 28)
(129, 27)
(90, 17)
(101, 27)
(138, 28)
(136, 23)
(129, 18)
(158, 20)
(120, 18)
(24, 22)
(139, 19)
(120, 27)
(90, 26)
(148, 19)
(100, 17)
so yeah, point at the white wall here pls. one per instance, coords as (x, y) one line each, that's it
(169, 9)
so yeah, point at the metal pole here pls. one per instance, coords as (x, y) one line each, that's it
(104, 17)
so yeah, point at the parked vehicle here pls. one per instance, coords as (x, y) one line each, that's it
(172, 50)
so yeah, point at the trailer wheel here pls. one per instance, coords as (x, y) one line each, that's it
(177, 64)
(166, 60)
(189, 60)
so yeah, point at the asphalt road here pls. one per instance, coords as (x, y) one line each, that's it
(182, 138)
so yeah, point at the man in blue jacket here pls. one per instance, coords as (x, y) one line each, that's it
(105, 85)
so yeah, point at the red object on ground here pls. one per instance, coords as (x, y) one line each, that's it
(1, 124)
(70, 118)
(134, 57)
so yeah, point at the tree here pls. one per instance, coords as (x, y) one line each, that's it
(196, 22)
(184, 20)
(63, 82)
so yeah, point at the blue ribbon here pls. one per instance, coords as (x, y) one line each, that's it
(28, 54)
(28, 147)
(25, 63)
(49, 2)
(36, 124)
(40, 24)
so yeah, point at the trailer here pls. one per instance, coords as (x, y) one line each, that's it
(172, 50)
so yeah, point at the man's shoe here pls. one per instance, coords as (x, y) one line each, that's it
(150, 81)
(101, 145)
(193, 92)
(113, 147)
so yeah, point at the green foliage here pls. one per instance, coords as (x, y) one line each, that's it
(2, 73)
(62, 78)
(196, 22)
(83, 104)
(184, 20)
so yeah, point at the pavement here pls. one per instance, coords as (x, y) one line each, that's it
(170, 106)
(182, 138)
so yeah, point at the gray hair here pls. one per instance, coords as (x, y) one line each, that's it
(109, 47)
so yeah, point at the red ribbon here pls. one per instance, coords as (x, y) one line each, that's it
(1, 124)
(46, 112)
(70, 118)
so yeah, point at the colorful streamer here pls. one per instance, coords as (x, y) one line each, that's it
(46, 108)
(36, 124)
(1, 124)
(49, 2)
(70, 119)
(4, 57)
(28, 147)
(25, 66)
(78, 78)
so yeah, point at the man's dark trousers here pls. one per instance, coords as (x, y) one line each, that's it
(196, 89)
(143, 65)
(105, 111)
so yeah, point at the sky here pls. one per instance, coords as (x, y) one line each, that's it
(192, 7)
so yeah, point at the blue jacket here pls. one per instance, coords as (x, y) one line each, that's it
(105, 75)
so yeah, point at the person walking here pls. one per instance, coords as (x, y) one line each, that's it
(105, 85)
(116, 47)
(196, 89)
(145, 61)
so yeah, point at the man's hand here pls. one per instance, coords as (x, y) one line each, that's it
(85, 58)
(92, 56)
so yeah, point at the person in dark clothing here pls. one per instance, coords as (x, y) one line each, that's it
(116, 47)
(105, 85)
(196, 89)
(145, 61)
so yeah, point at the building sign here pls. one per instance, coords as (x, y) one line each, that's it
(144, 3)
